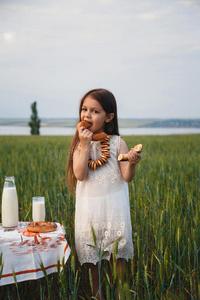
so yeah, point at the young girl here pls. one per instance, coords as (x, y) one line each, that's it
(102, 197)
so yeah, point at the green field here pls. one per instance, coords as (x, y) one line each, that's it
(165, 215)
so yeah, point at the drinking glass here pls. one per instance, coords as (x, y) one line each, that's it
(38, 209)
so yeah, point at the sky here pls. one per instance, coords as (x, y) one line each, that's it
(147, 53)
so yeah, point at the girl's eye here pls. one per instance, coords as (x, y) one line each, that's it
(96, 111)
(84, 109)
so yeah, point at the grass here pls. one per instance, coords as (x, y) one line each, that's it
(165, 214)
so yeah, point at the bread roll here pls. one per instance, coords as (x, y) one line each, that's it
(124, 157)
(41, 226)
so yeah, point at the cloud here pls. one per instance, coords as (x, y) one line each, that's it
(148, 16)
(187, 3)
(8, 37)
(56, 51)
(107, 1)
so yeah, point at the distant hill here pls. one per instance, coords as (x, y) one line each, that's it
(175, 123)
(48, 122)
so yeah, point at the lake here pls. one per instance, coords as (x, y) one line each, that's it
(25, 130)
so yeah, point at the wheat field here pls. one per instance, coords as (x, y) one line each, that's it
(165, 212)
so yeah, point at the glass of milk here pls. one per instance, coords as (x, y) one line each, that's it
(9, 203)
(38, 209)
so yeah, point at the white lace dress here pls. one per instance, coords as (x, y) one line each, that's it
(102, 201)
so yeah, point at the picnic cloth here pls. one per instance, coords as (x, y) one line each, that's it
(23, 251)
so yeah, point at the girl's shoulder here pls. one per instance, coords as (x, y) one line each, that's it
(122, 145)
(118, 143)
(114, 139)
(118, 138)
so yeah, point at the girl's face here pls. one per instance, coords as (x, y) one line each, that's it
(93, 112)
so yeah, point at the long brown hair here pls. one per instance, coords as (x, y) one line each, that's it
(108, 102)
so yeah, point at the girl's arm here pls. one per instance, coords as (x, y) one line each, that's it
(128, 168)
(80, 156)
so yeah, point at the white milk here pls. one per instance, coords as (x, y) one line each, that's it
(38, 211)
(9, 207)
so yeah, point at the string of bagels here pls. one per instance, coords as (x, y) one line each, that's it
(104, 138)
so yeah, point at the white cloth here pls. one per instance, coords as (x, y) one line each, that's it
(23, 252)
(102, 201)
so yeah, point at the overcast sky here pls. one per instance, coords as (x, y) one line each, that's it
(146, 52)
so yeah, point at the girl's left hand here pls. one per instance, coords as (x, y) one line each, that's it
(134, 157)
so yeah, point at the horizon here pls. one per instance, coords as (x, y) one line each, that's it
(70, 118)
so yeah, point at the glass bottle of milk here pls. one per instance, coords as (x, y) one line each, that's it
(9, 209)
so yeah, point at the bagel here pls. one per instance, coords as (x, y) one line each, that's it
(83, 124)
(138, 148)
(124, 157)
(99, 136)
(41, 226)
(96, 137)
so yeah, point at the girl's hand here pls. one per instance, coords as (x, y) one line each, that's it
(85, 137)
(134, 157)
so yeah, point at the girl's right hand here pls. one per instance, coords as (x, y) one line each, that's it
(85, 137)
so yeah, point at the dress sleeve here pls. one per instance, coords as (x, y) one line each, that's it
(122, 147)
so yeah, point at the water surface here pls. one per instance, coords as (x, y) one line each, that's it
(25, 130)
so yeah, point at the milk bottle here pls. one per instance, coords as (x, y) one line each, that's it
(9, 209)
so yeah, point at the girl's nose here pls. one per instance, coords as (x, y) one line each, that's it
(87, 114)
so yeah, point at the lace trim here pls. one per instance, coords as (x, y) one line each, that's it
(87, 253)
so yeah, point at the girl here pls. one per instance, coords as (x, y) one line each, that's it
(102, 197)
